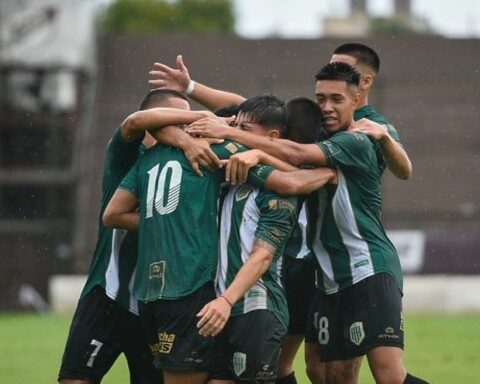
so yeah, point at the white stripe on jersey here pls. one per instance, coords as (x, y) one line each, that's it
(133, 301)
(112, 282)
(256, 297)
(302, 223)
(360, 258)
(225, 227)
(323, 258)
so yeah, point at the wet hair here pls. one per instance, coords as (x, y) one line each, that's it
(338, 71)
(157, 98)
(229, 110)
(304, 120)
(363, 54)
(267, 111)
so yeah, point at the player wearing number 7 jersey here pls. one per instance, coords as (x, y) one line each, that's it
(106, 321)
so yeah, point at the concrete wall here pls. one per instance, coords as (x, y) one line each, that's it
(422, 294)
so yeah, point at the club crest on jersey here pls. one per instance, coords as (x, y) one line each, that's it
(243, 192)
(239, 363)
(357, 334)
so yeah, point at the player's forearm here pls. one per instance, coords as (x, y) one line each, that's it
(396, 158)
(276, 163)
(300, 182)
(253, 269)
(173, 136)
(214, 98)
(129, 221)
(285, 150)
(160, 117)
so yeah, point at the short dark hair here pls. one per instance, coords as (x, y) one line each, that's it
(228, 111)
(304, 120)
(339, 71)
(156, 97)
(362, 53)
(266, 110)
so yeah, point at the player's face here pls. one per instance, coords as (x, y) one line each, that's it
(337, 102)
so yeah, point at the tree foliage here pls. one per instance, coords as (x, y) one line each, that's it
(396, 27)
(209, 16)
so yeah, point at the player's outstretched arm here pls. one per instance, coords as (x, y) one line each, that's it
(121, 211)
(214, 315)
(395, 156)
(289, 151)
(301, 182)
(138, 122)
(237, 167)
(197, 150)
(163, 76)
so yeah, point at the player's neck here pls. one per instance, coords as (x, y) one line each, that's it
(362, 101)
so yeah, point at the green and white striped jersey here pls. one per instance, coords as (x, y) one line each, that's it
(248, 214)
(115, 255)
(178, 233)
(297, 247)
(368, 112)
(345, 231)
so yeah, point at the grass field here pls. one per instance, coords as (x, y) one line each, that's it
(441, 349)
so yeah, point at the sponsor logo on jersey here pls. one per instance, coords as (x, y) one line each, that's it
(265, 373)
(194, 358)
(389, 334)
(243, 192)
(329, 145)
(165, 343)
(357, 334)
(157, 270)
(231, 147)
(274, 204)
(239, 363)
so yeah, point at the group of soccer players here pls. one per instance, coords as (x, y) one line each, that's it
(228, 239)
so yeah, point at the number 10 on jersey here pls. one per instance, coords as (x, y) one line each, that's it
(164, 198)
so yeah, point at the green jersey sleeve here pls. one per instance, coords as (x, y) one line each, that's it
(393, 132)
(121, 153)
(278, 215)
(130, 181)
(348, 149)
(257, 175)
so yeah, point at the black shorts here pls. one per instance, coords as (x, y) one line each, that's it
(172, 332)
(99, 332)
(298, 276)
(249, 347)
(357, 319)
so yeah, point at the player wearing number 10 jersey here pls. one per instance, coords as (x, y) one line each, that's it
(178, 251)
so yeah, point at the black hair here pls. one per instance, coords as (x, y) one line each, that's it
(304, 120)
(266, 110)
(362, 53)
(157, 97)
(339, 71)
(228, 111)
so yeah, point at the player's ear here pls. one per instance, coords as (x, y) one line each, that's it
(356, 99)
(274, 134)
(366, 82)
